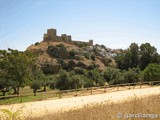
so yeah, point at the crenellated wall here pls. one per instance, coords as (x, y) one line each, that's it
(51, 35)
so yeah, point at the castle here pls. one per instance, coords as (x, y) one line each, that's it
(51, 35)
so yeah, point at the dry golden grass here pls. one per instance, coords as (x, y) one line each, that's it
(106, 111)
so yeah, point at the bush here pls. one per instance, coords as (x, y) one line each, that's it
(90, 67)
(88, 82)
(37, 43)
(71, 65)
(58, 51)
(81, 64)
(79, 70)
(93, 57)
(72, 54)
(80, 44)
(106, 61)
(87, 55)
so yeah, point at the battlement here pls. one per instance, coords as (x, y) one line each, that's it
(51, 35)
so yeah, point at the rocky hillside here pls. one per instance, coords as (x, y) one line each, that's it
(53, 56)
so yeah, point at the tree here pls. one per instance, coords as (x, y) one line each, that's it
(134, 49)
(37, 75)
(132, 75)
(151, 72)
(95, 75)
(35, 86)
(4, 85)
(75, 82)
(148, 54)
(22, 68)
(123, 60)
(19, 68)
(110, 74)
(113, 76)
(44, 80)
(5, 81)
(62, 80)
(87, 82)
(129, 58)
(133, 57)
(51, 81)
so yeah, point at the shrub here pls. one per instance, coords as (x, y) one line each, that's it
(37, 43)
(79, 70)
(87, 55)
(88, 83)
(106, 61)
(81, 64)
(72, 54)
(93, 57)
(58, 51)
(71, 65)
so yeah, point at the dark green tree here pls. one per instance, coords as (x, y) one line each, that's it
(123, 60)
(20, 68)
(110, 74)
(51, 81)
(62, 80)
(132, 75)
(134, 50)
(129, 58)
(75, 82)
(151, 72)
(148, 54)
(96, 76)
(35, 86)
(5, 81)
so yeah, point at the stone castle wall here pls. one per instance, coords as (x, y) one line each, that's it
(51, 35)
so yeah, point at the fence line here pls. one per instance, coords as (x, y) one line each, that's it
(79, 92)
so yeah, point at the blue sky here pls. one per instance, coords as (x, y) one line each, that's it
(114, 23)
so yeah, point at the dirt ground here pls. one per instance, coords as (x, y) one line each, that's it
(41, 107)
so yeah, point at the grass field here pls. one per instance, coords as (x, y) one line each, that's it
(148, 107)
(26, 95)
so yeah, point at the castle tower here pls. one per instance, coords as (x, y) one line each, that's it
(45, 38)
(90, 42)
(51, 34)
(64, 37)
(69, 38)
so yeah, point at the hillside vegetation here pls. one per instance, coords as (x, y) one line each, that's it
(63, 66)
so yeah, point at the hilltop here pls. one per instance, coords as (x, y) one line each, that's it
(56, 52)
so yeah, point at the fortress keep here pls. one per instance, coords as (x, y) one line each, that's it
(51, 35)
